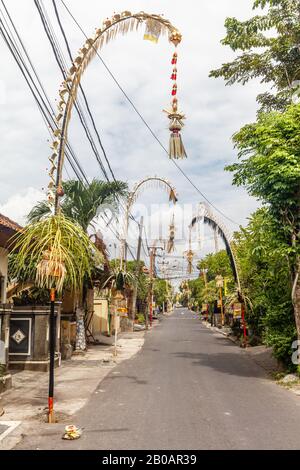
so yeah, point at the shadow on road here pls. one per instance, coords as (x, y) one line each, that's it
(88, 431)
(224, 362)
(133, 378)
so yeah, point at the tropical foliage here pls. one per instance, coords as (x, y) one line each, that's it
(269, 46)
(266, 281)
(162, 291)
(69, 248)
(269, 168)
(82, 202)
(54, 252)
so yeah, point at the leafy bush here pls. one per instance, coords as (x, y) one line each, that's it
(140, 318)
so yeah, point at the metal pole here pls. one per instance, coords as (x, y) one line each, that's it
(116, 336)
(137, 271)
(51, 418)
(244, 325)
(206, 287)
(147, 317)
(151, 287)
(222, 308)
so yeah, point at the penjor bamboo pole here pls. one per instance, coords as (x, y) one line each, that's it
(51, 417)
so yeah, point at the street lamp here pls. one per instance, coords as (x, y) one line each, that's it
(220, 285)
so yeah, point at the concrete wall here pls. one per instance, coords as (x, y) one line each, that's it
(3, 272)
(100, 320)
(70, 301)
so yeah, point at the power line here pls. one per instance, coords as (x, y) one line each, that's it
(55, 47)
(40, 96)
(82, 90)
(86, 101)
(43, 102)
(146, 123)
(63, 68)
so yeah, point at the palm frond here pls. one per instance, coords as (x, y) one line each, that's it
(54, 252)
(81, 201)
(38, 212)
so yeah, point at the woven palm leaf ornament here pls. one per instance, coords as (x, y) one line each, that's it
(176, 117)
(51, 270)
(171, 240)
(200, 218)
(119, 24)
(190, 253)
(211, 219)
(153, 30)
(152, 182)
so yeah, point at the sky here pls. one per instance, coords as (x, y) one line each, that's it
(213, 111)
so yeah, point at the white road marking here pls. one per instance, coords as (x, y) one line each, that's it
(12, 425)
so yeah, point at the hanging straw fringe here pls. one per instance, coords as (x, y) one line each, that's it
(176, 147)
(171, 244)
(119, 24)
(155, 182)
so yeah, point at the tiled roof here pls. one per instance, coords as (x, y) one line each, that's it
(8, 223)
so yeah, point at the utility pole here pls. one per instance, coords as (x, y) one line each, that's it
(220, 285)
(153, 250)
(152, 264)
(137, 270)
(204, 273)
(222, 306)
(52, 331)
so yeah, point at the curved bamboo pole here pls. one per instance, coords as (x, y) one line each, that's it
(119, 23)
(132, 197)
(209, 218)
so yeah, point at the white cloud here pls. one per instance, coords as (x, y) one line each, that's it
(19, 205)
(214, 112)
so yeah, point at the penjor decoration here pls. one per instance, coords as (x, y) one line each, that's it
(171, 241)
(119, 24)
(190, 254)
(176, 117)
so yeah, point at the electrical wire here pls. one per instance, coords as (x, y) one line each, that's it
(86, 102)
(82, 90)
(41, 98)
(63, 68)
(62, 64)
(146, 123)
(40, 95)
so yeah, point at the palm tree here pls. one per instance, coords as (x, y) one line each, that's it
(81, 204)
(81, 201)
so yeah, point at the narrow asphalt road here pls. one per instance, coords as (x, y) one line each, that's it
(188, 388)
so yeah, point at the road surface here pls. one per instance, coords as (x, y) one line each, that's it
(188, 388)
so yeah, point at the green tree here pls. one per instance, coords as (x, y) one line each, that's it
(269, 45)
(269, 168)
(216, 264)
(266, 283)
(80, 205)
(143, 280)
(82, 201)
(129, 273)
(162, 291)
